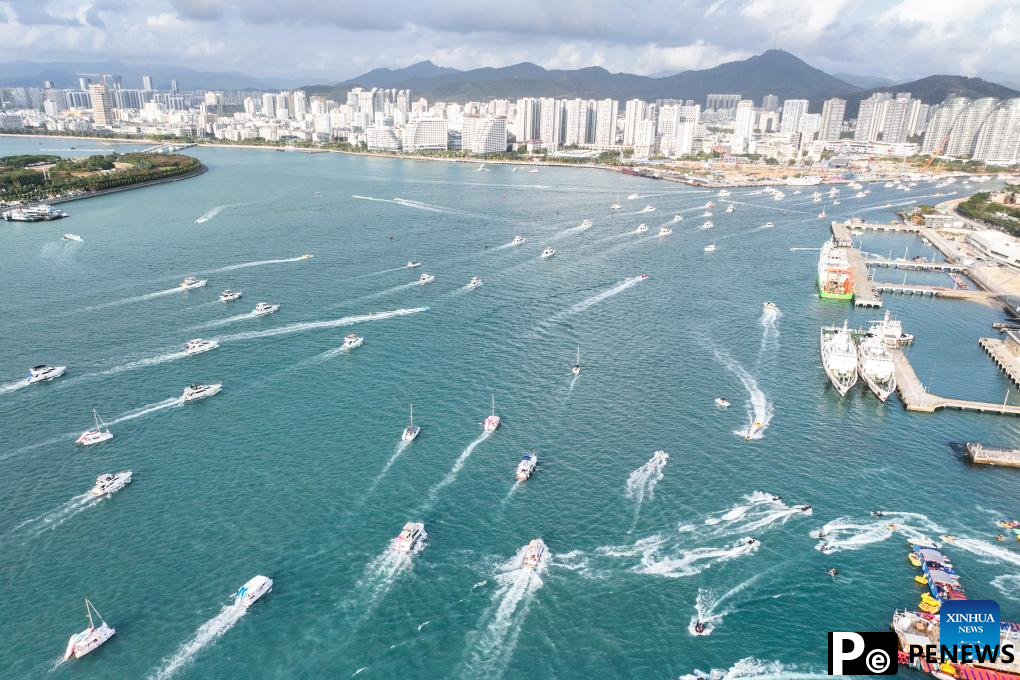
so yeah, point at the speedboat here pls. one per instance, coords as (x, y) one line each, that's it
(730, 208)
(474, 282)
(707, 224)
(71, 237)
(753, 429)
(192, 282)
(648, 208)
(641, 228)
(306, 256)
(585, 225)
(723, 193)
(533, 171)
(533, 553)
(710, 248)
(110, 484)
(768, 306)
(411, 264)
(197, 391)
(230, 295)
(576, 369)
(722, 401)
(253, 589)
(678, 218)
(518, 240)
(767, 225)
(101, 433)
(821, 215)
(665, 231)
(412, 430)
(860, 194)
(548, 252)
(778, 196)
(526, 466)
(91, 638)
(707, 213)
(412, 535)
(632, 197)
(352, 341)
(709, 204)
(198, 345)
(643, 277)
(426, 278)
(491, 422)
(42, 373)
(615, 206)
(263, 308)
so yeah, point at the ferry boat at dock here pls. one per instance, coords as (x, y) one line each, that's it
(839, 357)
(835, 280)
(890, 331)
(875, 365)
(33, 213)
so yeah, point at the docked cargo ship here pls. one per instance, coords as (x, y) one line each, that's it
(835, 278)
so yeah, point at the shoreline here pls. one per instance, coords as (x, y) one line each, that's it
(200, 170)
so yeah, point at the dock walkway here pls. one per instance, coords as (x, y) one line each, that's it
(865, 292)
(1005, 354)
(980, 455)
(916, 398)
(917, 266)
(937, 291)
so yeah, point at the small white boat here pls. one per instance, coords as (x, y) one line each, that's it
(707, 224)
(585, 225)
(101, 433)
(42, 373)
(191, 282)
(821, 215)
(778, 196)
(253, 589)
(91, 638)
(230, 295)
(641, 228)
(197, 391)
(527, 465)
(481, 168)
(722, 401)
(411, 264)
(534, 553)
(723, 192)
(836, 202)
(648, 209)
(198, 345)
(710, 248)
(412, 430)
(707, 213)
(426, 278)
(633, 197)
(576, 369)
(412, 535)
(263, 308)
(518, 240)
(730, 208)
(615, 206)
(474, 282)
(306, 256)
(678, 218)
(768, 306)
(108, 484)
(352, 341)
(533, 171)
(548, 252)
(709, 204)
(665, 231)
(767, 225)
(71, 237)
(491, 422)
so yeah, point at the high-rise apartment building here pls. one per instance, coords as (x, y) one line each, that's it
(722, 102)
(743, 126)
(998, 141)
(833, 111)
(147, 83)
(606, 113)
(484, 134)
(940, 123)
(425, 133)
(635, 112)
(770, 102)
(963, 136)
(102, 105)
(793, 109)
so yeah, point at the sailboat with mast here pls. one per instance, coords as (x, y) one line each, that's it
(412, 430)
(491, 423)
(91, 638)
(576, 370)
(101, 433)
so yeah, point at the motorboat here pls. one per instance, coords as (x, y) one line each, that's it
(100, 434)
(191, 282)
(533, 553)
(722, 402)
(412, 430)
(411, 264)
(91, 638)
(678, 218)
(648, 209)
(665, 231)
(491, 422)
(709, 204)
(821, 215)
(753, 429)
(527, 465)
(632, 197)
(352, 341)
(306, 256)
(860, 194)
(252, 590)
(643, 277)
(197, 391)
(518, 240)
(585, 225)
(707, 224)
(33, 213)
(71, 237)
(198, 345)
(723, 192)
(641, 228)
(707, 213)
(412, 535)
(710, 248)
(768, 306)
(767, 225)
(730, 208)
(263, 308)
(109, 484)
(615, 206)
(576, 369)
(474, 282)
(778, 196)
(42, 373)
(426, 278)
(533, 171)
(230, 295)
(548, 252)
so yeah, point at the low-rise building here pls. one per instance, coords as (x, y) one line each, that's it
(997, 246)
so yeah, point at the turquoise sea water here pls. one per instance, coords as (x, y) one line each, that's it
(293, 471)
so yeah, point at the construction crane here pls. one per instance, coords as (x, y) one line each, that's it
(939, 148)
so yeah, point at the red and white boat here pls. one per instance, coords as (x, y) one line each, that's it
(491, 423)
(101, 433)
(89, 639)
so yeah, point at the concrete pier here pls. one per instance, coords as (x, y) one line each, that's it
(916, 397)
(979, 454)
(936, 291)
(917, 266)
(1005, 354)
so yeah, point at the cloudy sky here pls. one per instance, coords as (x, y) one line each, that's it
(330, 40)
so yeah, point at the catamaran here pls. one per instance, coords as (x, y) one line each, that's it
(490, 423)
(101, 433)
(412, 535)
(412, 430)
(839, 357)
(91, 638)
(875, 365)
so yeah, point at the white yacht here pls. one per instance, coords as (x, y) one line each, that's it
(767, 225)
(230, 295)
(665, 231)
(42, 373)
(730, 208)
(709, 204)
(860, 194)
(723, 192)
(426, 278)
(533, 171)
(474, 282)
(707, 224)
(412, 430)
(197, 391)
(548, 252)
(100, 434)
(768, 306)
(778, 196)
(707, 213)
(875, 365)
(678, 218)
(71, 237)
(263, 308)
(648, 208)
(576, 369)
(412, 535)
(839, 357)
(518, 240)
(533, 553)
(632, 197)
(198, 345)
(91, 638)
(526, 466)
(108, 484)
(491, 422)
(836, 202)
(821, 215)
(710, 248)
(616, 205)
(33, 213)
(641, 228)
(352, 341)
(191, 282)
(411, 264)
(253, 589)
(585, 225)
(722, 402)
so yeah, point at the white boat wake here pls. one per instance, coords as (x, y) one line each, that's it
(388, 291)
(13, 386)
(845, 533)
(989, 551)
(419, 205)
(707, 605)
(600, 297)
(1008, 585)
(750, 668)
(257, 263)
(382, 572)
(759, 409)
(141, 363)
(641, 482)
(769, 329)
(146, 410)
(135, 298)
(794, 250)
(451, 476)
(573, 381)
(490, 648)
(208, 633)
(381, 271)
(209, 214)
(51, 519)
(316, 325)
(660, 555)
(397, 450)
